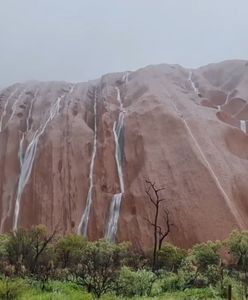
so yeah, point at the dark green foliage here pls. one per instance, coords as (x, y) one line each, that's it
(11, 289)
(28, 250)
(170, 257)
(112, 270)
(238, 245)
(131, 283)
(69, 250)
(205, 254)
(100, 266)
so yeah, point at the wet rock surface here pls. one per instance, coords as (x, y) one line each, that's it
(183, 129)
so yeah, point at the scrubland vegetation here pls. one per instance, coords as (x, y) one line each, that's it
(38, 265)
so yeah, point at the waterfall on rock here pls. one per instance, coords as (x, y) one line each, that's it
(27, 157)
(83, 226)
(116, 200)
(243, 125)
(193, 83)
(4, 113)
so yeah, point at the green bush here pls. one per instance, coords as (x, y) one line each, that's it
(30, 250)
(187, 275)
(11, 289)
(69, 250)
(213, 274)
(170, 283)
(237, 244)
(205, 254)
(170, 257)
(100, 266)
(97, 267)
(133, 283)
(4, 239)
(238, 290)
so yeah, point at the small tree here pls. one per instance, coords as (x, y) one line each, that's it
(69, 250)
(237, 244)
(160, 232)
(4, 238)
(206, 260)
(170, 257)
(131, 283)
(100, 266)
(29, 249)
(205, 254)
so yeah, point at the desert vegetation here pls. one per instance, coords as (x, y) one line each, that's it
(35, 264)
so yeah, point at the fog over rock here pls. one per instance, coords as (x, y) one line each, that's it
(65, 147)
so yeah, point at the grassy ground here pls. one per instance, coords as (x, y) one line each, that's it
(23, 290)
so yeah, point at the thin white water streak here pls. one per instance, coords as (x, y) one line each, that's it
(30, 111)
(226, 101)
(21, 157)
(21, 151)
(243, 126)
(196, 90)
(119, 98)
(5, 109)
(117, 130)
(125, 77)
(228, 201)
(83, 226)
(27, 157)
(14, 106)
(114, 212)
(227, 98)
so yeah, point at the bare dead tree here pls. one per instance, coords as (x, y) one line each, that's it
(160, 232)
(167, 228)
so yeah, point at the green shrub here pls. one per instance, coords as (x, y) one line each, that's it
(237, 244)
(133, 283)
(170, 283)
(205, 254)
(69, 250)
(30, 250)
(170, 257)
(4, 239)
(100, 266)
(186, 275)
(11, 289)
(213, 274)
(238, 290)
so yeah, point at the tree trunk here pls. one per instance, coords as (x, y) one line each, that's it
(229, 292)
(154, 264)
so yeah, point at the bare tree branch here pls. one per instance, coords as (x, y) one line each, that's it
(160, 233)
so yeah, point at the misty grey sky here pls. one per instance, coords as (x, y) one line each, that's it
(78, 40)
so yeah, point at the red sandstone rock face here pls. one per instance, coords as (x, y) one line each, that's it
(182, 134)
